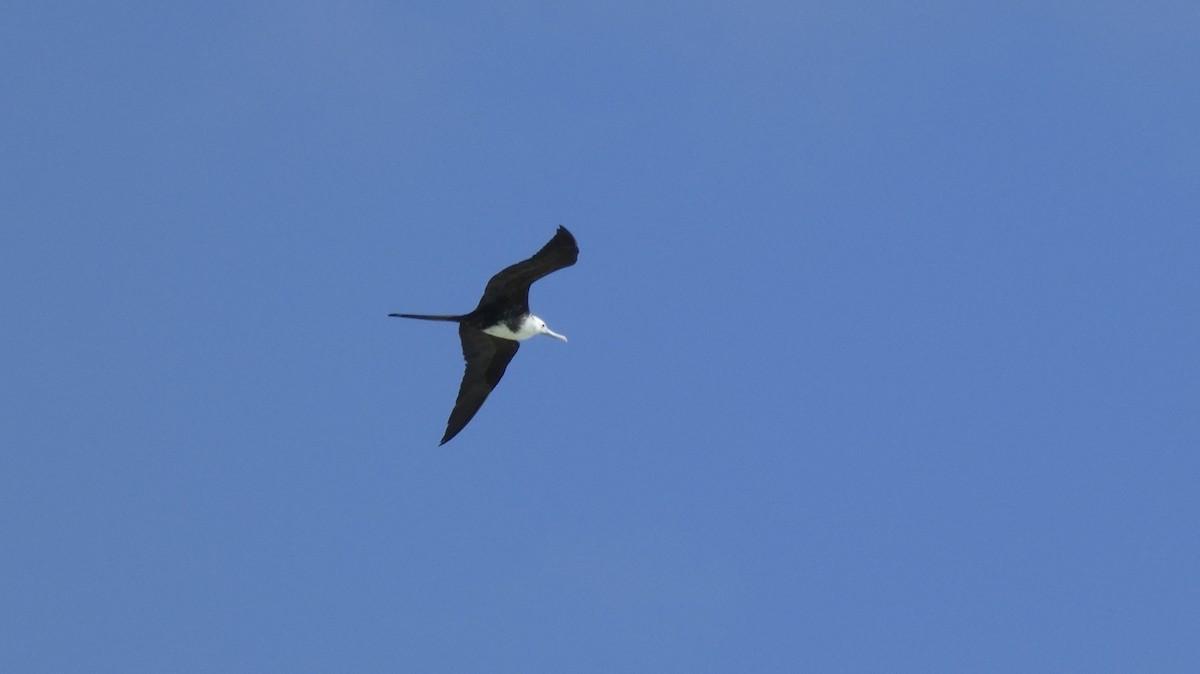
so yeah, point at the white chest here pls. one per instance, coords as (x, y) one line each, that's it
(529, 327)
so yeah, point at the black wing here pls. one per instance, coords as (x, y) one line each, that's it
(513, 283)
(487, 357)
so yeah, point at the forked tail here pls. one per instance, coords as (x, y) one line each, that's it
(425, 317)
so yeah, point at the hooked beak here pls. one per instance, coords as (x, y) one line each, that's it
(551, 333)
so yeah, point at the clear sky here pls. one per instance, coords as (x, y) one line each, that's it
(884, 337)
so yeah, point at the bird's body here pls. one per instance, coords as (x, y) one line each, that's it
(491, 334)
(528, 326)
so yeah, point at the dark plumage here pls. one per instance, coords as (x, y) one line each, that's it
(491, 333)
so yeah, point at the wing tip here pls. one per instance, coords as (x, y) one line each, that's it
(565, 240)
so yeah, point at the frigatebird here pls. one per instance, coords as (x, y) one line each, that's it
(492, 333)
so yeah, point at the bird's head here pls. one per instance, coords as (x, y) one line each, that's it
(540, 326)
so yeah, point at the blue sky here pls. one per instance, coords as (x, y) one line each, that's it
(885, 350)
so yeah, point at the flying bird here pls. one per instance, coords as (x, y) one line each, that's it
(492, 333)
